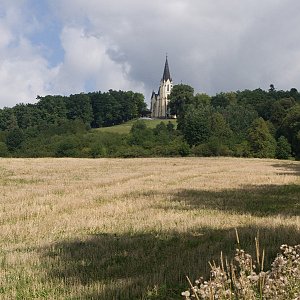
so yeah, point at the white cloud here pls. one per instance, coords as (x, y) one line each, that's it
(87, 60)
(213, 45)
(26, 73)
(5, 37)
(23, 71)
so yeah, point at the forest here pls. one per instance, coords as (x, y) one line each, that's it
(248, 123)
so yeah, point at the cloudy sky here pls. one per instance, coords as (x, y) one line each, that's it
(70, 46)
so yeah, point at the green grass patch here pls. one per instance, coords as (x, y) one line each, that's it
(125, 127)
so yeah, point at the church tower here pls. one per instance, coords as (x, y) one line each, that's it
(159, 101)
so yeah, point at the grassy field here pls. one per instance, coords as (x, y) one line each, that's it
(125, 128)
(133, 228)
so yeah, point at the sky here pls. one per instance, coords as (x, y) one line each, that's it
(63, 47)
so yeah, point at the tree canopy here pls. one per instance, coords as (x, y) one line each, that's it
(249, 123)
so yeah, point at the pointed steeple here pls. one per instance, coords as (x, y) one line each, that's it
(166, 74)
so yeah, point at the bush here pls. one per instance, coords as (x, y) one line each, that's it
(132, 151)
(242, 149)
(201, 150)
(184, 149)
(3, 150)
(212, 148)
(98, 150)
(68, 147)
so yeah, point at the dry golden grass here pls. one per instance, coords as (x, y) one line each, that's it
(133, 228)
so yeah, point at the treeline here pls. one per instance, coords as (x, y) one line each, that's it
(256, 123)
(93, 109)
(36, 129)
(246, 123)
(73, 139)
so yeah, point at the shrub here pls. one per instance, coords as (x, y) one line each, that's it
(98, 150)
(68, 147)
(3, 150)
(212, 148)
(132, 151)
(242, 149)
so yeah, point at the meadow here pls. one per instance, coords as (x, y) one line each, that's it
(125, 128)
(133, 228)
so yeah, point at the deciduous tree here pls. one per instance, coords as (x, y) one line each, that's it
(261, 142)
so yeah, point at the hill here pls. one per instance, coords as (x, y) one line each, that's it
(257, 123)
(125, 127)
(133, 228)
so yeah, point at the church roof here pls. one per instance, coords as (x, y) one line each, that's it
(154, 95)
(166, 74)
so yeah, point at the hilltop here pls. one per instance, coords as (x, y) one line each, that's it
(125, 128)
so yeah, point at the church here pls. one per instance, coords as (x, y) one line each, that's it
(159, 101)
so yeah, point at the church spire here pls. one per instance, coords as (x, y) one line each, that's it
(166, 74)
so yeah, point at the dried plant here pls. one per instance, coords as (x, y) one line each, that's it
(244, 278)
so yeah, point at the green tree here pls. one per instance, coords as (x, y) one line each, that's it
(259, 99)
(28, 115)
(140, 135)
(79, 107)
(261, 141)
(224, 99)
(280, 109)
(128, 106)
(283, 149)
(115, 107)
(181, 96)
(106, 109)
(240, 118)
(290, 128)
(53, 108)
(140, 104)
(3, 150)
(163, 134)
(69, 146)
(202, 99)
(171, 127)
(196, 128)
(220, 128)
(14, 139)
(8, 120)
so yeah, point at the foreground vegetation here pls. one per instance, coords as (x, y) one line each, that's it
(134, 228)
(245, 278)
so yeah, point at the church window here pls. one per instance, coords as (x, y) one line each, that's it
(168, 87)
